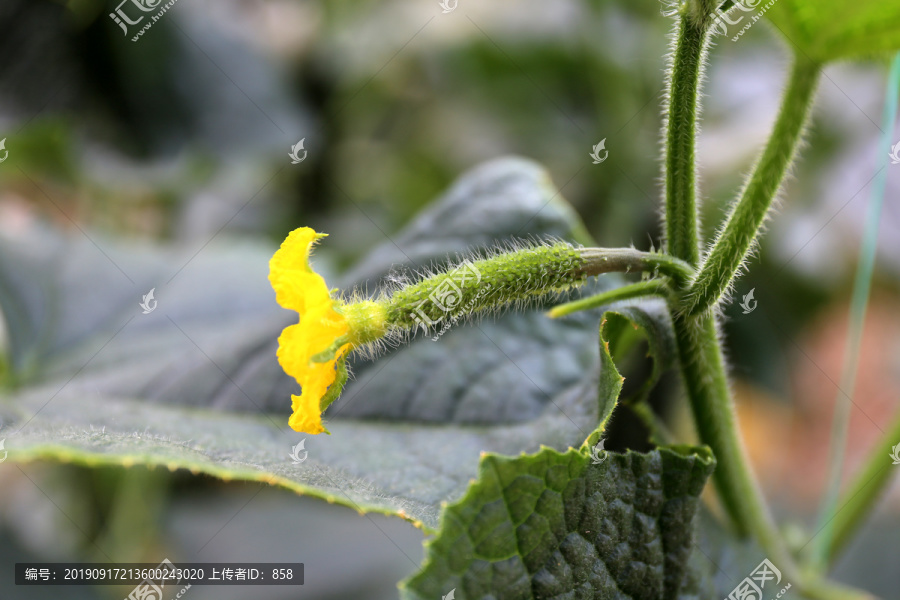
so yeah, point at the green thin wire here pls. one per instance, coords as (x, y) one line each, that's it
(862, 285)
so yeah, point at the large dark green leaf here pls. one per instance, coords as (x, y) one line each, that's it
(552, 525)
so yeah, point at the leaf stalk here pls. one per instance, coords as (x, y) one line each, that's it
(742, 226)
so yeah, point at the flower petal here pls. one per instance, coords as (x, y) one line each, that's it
(321, 386)
(293, 280)
(306, 418)
(313, 351)
(316, 332)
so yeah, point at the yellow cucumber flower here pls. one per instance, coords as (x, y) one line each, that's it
(314, 350)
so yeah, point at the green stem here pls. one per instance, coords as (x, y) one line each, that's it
(686, 70)
(659, 433)
(860, 498)
(702, 364)
(742, 227)
(624, 260)
(654, 287)
(703, 370)
(860, 300)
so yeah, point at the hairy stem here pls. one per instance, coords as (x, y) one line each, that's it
(703, 370)
(654, 287)
(743, 224)
(702, 364)
(515, 277)
(686, 71)
(605, 260)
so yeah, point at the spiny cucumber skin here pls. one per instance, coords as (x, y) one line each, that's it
(512, 278)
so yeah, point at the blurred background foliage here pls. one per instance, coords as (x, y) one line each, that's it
(185, 134)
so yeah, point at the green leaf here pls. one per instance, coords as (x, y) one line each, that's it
(829, 30)
(626, 325)
(195, 383)
(552, 525)
(399, 469)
